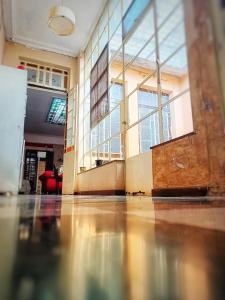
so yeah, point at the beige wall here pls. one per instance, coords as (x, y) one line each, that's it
(2, 39)
(109, 177)
(14, 51)
(139, 174)
(69, 173)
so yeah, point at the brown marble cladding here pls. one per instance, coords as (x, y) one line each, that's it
(197, 160)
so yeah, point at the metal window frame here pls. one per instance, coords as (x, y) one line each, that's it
(88, 58)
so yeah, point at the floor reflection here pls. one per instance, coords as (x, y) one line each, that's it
(111, 248)
(34, 274)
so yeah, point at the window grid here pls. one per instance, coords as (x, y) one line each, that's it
(88, 57)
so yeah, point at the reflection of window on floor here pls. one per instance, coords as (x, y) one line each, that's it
(149, 128)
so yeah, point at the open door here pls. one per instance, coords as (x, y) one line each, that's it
(70, 151)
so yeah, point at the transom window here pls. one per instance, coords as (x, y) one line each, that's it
(46, 76)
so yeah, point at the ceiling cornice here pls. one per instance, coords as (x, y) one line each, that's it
(31, 43)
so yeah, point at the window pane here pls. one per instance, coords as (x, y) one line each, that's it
(56, 80)
(94, 156)
(149, 132)
(167, 134)
(115, 43)
(94, 137)
(139, 39)
(41, 77)
(31, 75)
(103, 152)
(103, 40)
(116, 94)
(177, 117)
(133, 14)
(115, 148)
(172, 34)
(115, 121)
(115, 20)
(174, 74)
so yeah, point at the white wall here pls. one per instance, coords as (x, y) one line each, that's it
(139, 173)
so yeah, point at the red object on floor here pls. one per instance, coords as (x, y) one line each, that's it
(21, 67)
(49, 182)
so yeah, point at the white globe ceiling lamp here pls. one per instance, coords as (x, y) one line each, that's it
(61, 20)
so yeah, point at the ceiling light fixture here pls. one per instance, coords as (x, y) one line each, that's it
(61, 20)
(57, 112)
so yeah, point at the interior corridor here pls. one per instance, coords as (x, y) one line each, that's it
(67, 247)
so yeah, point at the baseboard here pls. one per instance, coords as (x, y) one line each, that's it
(103, 192)
(180, 192)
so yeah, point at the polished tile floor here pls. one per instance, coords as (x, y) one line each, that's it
(111, 248)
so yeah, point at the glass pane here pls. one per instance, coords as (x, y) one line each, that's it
(103, 40)
(94, 55)
(115, 20)
(41, 77)
(70, 102)
(87, 87)
(95, 38)
(149, 132)
(172, 34)
(47, 78)
(115, 121)
(147, 102)
(86, 124)
(70, 120)
(133, 15)
(86, 143)
(126, 4)
(69, 137)
(94, 156)
(177, 117)
(31, 75)
(87, 160)
(142, 36)
(115, 148)
(116, 68)
(116, 94)
(167, 134)
(115, 43)
(174, 74)
(94, 137)
(112, 6)
(57, 80)
(103, 152)
(165, 8)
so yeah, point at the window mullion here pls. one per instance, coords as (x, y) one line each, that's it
(159, 89)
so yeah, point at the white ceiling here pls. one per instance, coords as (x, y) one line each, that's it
(26, 23)
(38, 105)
